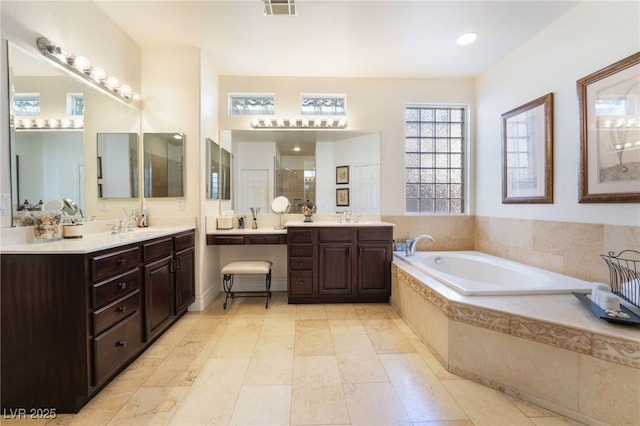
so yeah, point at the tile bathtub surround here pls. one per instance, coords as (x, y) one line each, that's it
(568, 248)
(542, 361)
(247, 365)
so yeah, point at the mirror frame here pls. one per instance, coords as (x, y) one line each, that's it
(170, 138)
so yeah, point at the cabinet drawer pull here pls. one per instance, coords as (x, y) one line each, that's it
(121, 309)
(121, 343)
(122, 286)
(301, 283)
(121, 261)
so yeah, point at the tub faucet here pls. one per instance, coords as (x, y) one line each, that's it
(411, 244)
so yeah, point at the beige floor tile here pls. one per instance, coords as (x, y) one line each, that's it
(236, 344)
(386, 337)
(346, 326)
(150, 406)
(262, 405)
(311, 312)
(341, 311)
(313, 337)
(422, 395)
(278, 325)
(270, 368)
(485, 406)
(212, 397)
(374, 404)
(317, 396)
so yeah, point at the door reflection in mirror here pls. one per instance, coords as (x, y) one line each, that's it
(118, 165)
(163, 165)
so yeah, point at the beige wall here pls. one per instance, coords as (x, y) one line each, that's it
(372, 104)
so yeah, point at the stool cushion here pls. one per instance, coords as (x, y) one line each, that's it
(248, 267)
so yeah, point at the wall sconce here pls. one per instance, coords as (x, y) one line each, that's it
(282, 123)
(75, 123)
(80, 66)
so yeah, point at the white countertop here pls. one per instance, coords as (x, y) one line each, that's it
(93, 242)
(246, 231)
(329, 223)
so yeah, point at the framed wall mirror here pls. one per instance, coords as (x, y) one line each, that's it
(213, 169)
(163, 164)
(117, 165)
(225, 174)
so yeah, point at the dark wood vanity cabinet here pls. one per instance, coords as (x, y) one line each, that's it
(339, 264)
(169, 280)
(71, 322)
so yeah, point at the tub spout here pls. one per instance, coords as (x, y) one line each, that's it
(411, 244)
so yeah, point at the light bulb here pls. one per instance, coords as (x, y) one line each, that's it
(112, 82)
(467, 38)
(81, 63)
(98, 74)
(125, 91)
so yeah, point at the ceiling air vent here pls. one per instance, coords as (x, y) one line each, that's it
(279, 7)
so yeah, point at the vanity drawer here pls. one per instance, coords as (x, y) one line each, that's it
(220, 240)
(300, 250)
(330, 235)
(115, 347)
(114, 288)
(266, 239)
(300, 283)
(375, 234)
(301, 263)
(157, 249)
(115, 312)
(300, 236)
(103, 266)
(184, 241)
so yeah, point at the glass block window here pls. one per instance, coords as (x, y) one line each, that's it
(247, 104)
(75, 104)
(435, 159)
(26, 103)
(324, 105)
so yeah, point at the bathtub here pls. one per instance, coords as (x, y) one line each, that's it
(477, 274)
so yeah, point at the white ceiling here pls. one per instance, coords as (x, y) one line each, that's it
(356, 38)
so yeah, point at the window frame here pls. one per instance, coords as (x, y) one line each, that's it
(466, 160)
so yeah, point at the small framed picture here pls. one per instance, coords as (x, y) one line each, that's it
(342, 197)
(342, 175)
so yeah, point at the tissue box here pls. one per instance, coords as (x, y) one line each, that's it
(224, 222)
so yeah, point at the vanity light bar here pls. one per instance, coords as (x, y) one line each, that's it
(283, 123)
(47, 124)
(80, 66)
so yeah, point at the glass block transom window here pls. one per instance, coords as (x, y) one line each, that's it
(247, 104)
(26, 104)
(435, 159)
(324, 105)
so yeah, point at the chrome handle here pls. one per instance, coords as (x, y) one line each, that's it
(121, 343)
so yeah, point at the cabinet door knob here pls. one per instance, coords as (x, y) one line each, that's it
(121, 261)
(121, 343)
(122, 285)
(301, 283)
(122, 309)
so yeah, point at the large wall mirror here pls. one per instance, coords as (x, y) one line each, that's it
(56, 121)
(213, 175)
(118, 165)
(301, 165)
(163, 165)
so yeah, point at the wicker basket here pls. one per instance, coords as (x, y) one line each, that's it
(624, 273)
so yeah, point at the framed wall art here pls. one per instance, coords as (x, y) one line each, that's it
(342, 197)
(609, 108)
(342, 175)
(527, 152)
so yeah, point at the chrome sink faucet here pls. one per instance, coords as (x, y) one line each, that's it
(411, 243)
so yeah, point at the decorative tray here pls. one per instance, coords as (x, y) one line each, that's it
(633, 319)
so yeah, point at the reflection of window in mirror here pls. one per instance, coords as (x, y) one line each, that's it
(213, 176)
(163, 165)
(118, 165)
(225, 176)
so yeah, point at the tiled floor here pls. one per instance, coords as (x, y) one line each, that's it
(338, 364)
